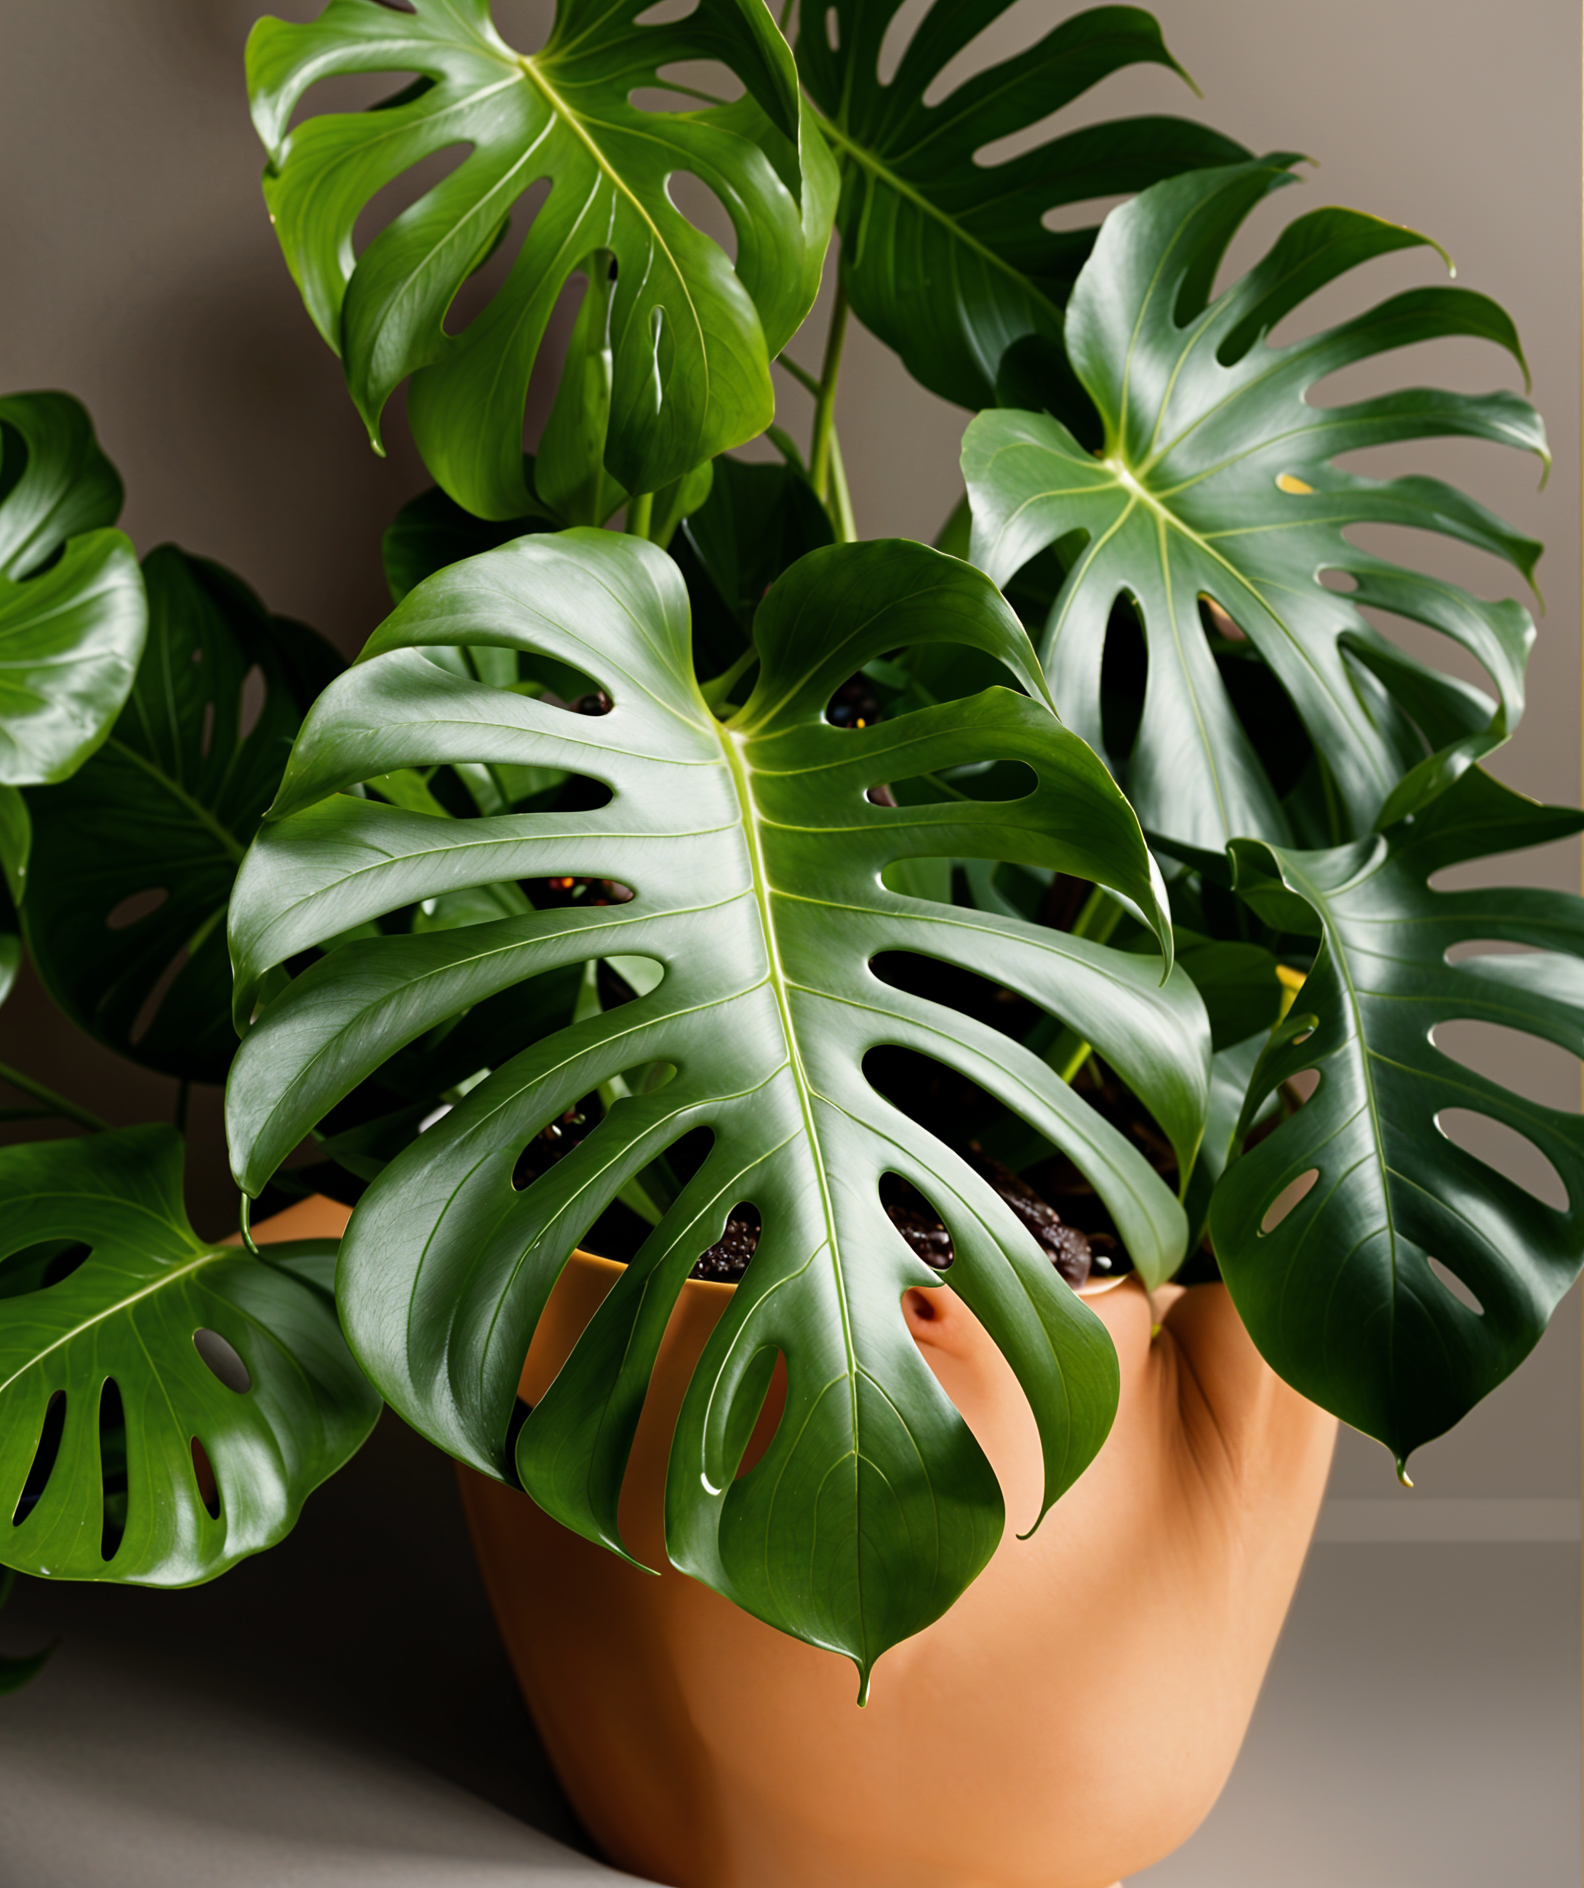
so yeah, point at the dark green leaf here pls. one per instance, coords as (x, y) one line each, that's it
(1217, 479)
(761, 875)
(692, 334)
(432, 530)
(126, 916)
(945, 258)
(72, 616)
(130, 1316)
(1340, 1295)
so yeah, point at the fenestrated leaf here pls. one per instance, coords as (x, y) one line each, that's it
(1340, 1294)
(1217, 479)
(692, 334)
(945, 258)
(128, 1315)
(71, 629)
(759, 872)
(137, 851)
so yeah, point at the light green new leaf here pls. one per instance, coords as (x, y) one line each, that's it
(71, 630)
(1341, 1295)
(692, 334)
(1217, 479)
(128, 1315)
(760, 875)
(945, 258)
(137, 851)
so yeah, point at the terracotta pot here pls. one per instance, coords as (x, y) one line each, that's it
(1070, 1720)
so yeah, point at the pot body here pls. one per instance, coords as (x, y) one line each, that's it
(1073, 1716)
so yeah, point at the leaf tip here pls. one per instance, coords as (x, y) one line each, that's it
(1402, 1472)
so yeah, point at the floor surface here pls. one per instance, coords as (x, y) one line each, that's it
(337, 1714)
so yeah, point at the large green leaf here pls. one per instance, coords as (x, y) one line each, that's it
(72, 617)
(137, 851)
(945, 258)
(760, 877)
(1217, 479)
(691, 333)
(131, 1314)
(1341, 1294)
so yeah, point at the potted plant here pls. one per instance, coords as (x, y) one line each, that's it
(859, 960)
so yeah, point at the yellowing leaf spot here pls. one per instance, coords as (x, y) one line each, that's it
(1287, 483)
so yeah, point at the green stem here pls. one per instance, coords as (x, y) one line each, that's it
(716, 690)
(825, 405)
(846, 526)
(58, 1105)
(640, 514)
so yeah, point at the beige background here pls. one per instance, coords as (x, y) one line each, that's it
(1419, 1727)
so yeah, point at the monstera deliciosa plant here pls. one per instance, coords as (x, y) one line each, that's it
(724, 892)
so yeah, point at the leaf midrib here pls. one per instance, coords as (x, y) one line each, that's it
(780, 985)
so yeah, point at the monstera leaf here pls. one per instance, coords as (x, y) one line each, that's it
(152, 1343)
(72, 615)
(126, 922)
(1342, 1294)
(945, 258)
(759, 873)
(1217, 480)
(691, 334)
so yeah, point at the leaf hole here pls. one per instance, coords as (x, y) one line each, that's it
(1468, 947)
(222, 1360)
(1124, 676)
(1287, 1199)
(833, 32)
(694, 199)
(249, 707)
(1342, 581)
(1506, 1151)
(136, 906)
(556, 1139)
(898, 35)
(1217, 622)
(406, 191)
(112, 1468)
(45, 1457)
(1450, 1282)
(149, 1009)
(549, 361)
(666, 13)
(1527, 1065)
(204, 1476)
(38, 1267)
(993, 783)
(726, 1261)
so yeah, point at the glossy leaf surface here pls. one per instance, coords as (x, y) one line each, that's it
(128, 1315)
(1218, 479)
(691, 333)
(1341, 1295)
(136, 853)
(759, 872)
(946, 257)
(71, 630)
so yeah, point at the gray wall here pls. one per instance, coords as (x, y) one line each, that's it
(141, 274)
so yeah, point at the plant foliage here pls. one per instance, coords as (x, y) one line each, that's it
(121, 1329)
(759, 871)
(691, 334)
(1217, 478)
(1341, 1295)
(946, 257)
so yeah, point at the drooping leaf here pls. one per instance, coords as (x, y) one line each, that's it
(759, 870)
(140, 1313)
(945, 258)
(1341, 1295)
(72, 616)
(692, 334)
(137, 851)
(1217, 479)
